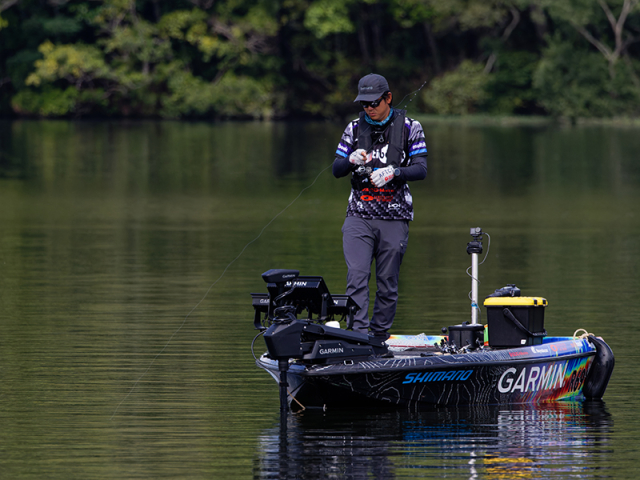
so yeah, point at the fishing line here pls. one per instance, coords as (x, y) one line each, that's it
(414, 93)
(214, 283)
(410, 94)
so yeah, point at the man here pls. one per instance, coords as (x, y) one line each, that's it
(383, 150)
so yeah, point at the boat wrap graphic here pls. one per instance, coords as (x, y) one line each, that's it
(555, 370)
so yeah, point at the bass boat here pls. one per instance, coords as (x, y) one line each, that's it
(511, 359)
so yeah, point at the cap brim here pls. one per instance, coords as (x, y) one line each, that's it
(367, 97)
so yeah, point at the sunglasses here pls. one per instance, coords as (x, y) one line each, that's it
(373, 104)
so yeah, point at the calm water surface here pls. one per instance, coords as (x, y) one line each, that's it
(128, 251)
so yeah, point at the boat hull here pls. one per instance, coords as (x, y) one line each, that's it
(555, 370)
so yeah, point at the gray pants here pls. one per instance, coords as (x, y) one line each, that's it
(366, 240)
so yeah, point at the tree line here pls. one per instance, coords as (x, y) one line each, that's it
(294, 58)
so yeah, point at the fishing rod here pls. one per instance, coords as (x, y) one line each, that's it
(363, 170)
(412, 94)
(214, 283)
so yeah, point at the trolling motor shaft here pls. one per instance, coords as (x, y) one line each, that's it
(283, 367)
(474, 248)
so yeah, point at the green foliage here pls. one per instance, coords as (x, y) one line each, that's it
(510, 86)
(443, 14)
(575, 82)
(76, 64)
(140, 67)
(580, 12)
(231, 96)
(20, 66)
(459, 92)
(412, 12)
(327, 17)
(61, 26)
(259, 58)
(49, 102)
(137, 45)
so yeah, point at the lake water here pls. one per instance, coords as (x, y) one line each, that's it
(128, 251)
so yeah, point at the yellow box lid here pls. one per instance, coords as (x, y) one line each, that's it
(515, 302)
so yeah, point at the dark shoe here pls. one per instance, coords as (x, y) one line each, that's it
(379, 335)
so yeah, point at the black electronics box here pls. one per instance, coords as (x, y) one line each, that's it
(515, 321)
(466, 335)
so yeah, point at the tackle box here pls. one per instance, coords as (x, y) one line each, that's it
(515, 321)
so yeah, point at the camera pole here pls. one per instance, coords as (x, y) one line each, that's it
(474, 248)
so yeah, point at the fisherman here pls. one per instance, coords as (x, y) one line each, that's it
(383, 149)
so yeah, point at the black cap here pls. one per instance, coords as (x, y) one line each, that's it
(371, 87)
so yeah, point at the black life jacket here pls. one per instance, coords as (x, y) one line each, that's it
(393, 134)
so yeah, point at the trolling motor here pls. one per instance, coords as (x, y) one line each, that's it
(469, 336)
(309, 339)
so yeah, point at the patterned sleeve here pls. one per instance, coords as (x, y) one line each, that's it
(346, 145)
(417, 143)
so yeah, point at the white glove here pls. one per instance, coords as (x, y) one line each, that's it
(359, 157)
(382, 176)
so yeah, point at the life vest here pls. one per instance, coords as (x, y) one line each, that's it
(373, 138)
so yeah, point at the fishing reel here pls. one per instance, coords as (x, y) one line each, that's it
(363, 171)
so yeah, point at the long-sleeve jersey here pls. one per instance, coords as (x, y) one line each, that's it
(393, 201)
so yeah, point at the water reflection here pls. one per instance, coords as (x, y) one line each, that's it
(111, 232)
(520, 441)
(149, 156)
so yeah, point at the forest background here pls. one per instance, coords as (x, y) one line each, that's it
(303, 58)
